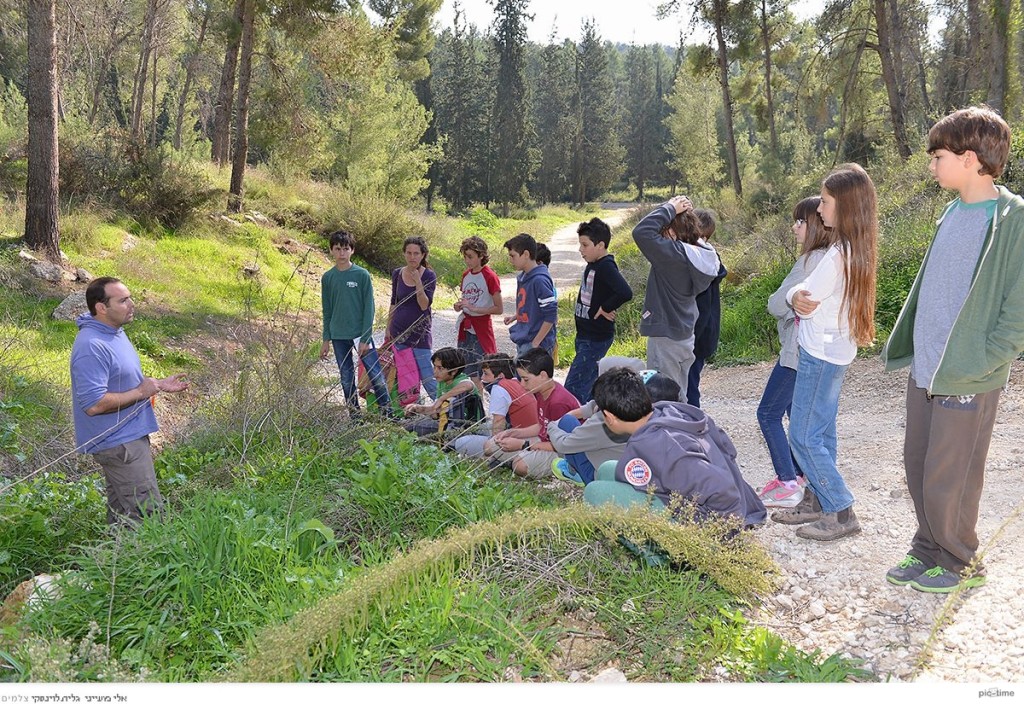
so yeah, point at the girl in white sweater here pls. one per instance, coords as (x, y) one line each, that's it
(835, 305)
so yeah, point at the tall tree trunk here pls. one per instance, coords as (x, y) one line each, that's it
(1000, 54)
(220, 141)
(851, 80)
(152, 108)
(893, 82)
(102, 75)
(241, 148)
(41, 226)
(976, 49)
(767, 40)
(190, 73)
(145, 50)
(720, 10)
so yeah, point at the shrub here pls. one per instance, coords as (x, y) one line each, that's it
(153, 185)
(380, 225)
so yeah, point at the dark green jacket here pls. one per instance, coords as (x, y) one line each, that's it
(988, 333)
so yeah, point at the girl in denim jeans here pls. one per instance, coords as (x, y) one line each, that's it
(836, 304)
(786, 489)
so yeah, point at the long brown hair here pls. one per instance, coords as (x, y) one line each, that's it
(684, 227)
(817, 236)
(855, 228)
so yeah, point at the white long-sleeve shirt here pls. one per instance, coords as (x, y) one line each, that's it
(825, 333)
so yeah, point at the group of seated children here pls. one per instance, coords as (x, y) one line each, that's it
(648, 447)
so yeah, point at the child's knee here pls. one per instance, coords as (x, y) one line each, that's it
(519, 468)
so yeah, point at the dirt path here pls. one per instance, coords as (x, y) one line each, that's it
(834, 596)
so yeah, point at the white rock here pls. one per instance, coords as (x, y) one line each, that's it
(610, 675)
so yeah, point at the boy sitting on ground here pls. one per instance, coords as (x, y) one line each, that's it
(458, 404)
(674, 450)
(532, 456)
(512, 406)
(584, 445)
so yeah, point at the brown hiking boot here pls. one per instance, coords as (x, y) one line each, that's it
(831, 526)
(808, 510)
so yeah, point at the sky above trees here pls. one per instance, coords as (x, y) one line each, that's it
(625, 21)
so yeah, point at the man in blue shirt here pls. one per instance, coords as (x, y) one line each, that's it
(112, 401)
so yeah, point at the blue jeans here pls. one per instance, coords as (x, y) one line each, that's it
(474, 352)
(577, 460)
(812, 429)
(776, 402)
(693, 382)
(583, 371)
(425, 367)
(343, 355)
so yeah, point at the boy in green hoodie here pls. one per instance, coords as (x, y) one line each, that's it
(959, 330)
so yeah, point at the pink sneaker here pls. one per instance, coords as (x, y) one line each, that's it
(777, 494)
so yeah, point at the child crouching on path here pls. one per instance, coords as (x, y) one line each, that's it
(836, 305)
(787, 488)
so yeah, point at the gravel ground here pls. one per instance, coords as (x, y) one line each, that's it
(833, 596)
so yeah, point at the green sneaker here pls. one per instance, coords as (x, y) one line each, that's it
(561, 470)
(939, 580)
(909, 569)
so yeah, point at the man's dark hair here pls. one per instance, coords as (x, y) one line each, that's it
(596, 230)
(622, 393)
(662, 387)
(451, 358)
(500, 364)
(96, 291)
(523, 243)
(536, 361)
(341, 238)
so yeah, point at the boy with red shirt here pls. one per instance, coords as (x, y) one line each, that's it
(531, 456)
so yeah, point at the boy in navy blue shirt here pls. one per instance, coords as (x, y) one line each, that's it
(536, 302)
(602, 291)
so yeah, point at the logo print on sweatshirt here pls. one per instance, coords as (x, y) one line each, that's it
(637, 472)
(352, 284)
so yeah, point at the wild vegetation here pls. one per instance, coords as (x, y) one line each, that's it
(201, 150)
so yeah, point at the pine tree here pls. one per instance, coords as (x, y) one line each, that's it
(511, 131)
(598, 154)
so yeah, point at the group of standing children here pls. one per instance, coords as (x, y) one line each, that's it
(960, 329)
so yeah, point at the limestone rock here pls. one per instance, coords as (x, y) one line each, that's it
(610, 675)
(47, 271)
(26, 595)
(71, 307)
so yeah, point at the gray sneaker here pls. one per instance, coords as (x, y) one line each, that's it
(807, 511)
(939, 580)
(831, 526)
(909, 569)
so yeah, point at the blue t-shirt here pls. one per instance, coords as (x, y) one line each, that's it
(103, 360)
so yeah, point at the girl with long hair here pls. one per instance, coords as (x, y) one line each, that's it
(836, 304)
(786, 489)
(409, 321)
